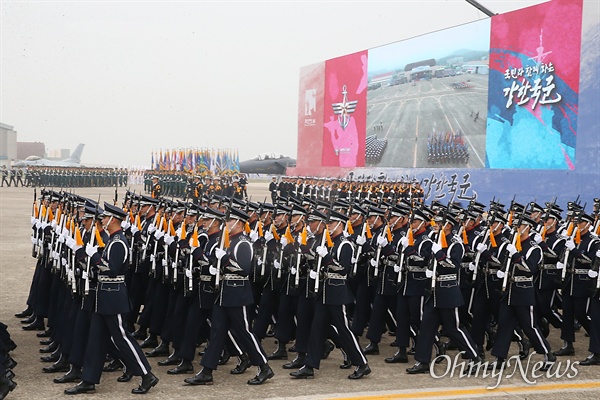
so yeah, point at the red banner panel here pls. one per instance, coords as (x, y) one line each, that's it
(310, 115)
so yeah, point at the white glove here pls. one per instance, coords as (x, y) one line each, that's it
(396, 268)
(84, 274)
(55, 255)
(158, 234)
(570, 244)
(511, 249)
(152, 258)
(435, 247)
(360, 240)
(212, 270)
(174, 265)
(151, 228)
(481, 248)
(134, 229)
(33, 241)
(164, 263)
(598, 254)
(592, 274)
(61, 239)
(293, 270)
(312, 274)
(259, 261)
(382, 241)
(58, 230)
(49, 246)
(219, 253)
(560, 265)
(188, 273)
(321, 251)
(53, 224)
(40, 243)
(500, 274)
(346, 234)
(283, 241)
(169, 239)
(253, 236)
(373, 262)
(538, 238)
(33, 220)
(44, 225)
(63, 261)
(268, 236)
(276, 264)
(471, 266)
(38, 224)
(70, 243)
(428, 273)
(404, 242)
(125, 224)
(91, 250)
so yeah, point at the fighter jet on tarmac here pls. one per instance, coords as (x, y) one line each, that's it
(267, 164)
(73, 161)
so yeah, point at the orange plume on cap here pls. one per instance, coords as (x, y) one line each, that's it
(195, 242)
(183, 231)
(411, 238)
(226, 242)
(78, 238)
(288, 235)
(518, 244)
(368, 232)
(443, 240)
(493, 239)
(274, 232)
(389, 234)
(328, 238)
(465, 239)
(260, 229)
(247, 228)
(544, 233)
(349, 228)
(577, 236)
(303, 236)
(99, 241)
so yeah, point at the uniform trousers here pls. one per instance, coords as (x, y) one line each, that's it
(269, 303)
(105, 329)
(595, 324)
(574, 307)
(382, 306)
(433, 317)
(237, 321)
(362, 311)
(508, 317)
(409, 310)
(304, 318)
(326, 315)
(546, 307)
(284, 328)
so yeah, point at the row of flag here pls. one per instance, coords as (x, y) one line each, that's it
(215, 161)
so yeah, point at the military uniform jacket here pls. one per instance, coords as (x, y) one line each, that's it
(447, 292)
(336, 265)
(111, 266)
(203, 259)
(548, 277)
(524, 264)
(235, 289)
(387, 280)
(581, 260)
(489, 264)
(417, 258)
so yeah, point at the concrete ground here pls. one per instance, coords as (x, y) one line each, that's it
(387, 381)
(410, 113)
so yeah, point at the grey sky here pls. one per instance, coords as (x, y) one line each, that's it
(140, 76)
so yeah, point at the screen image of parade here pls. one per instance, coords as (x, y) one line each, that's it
(426, 100)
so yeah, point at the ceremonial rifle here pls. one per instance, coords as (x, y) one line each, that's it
(439, 240)
(514, 240)
(320, 261)
(86, 290)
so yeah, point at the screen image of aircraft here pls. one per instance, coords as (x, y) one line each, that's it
(267, 164)
(34, 161)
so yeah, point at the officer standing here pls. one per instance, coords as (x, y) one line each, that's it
(111, 303)
(156, 187)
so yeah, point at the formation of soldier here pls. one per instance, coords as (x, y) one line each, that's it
(226, 271)
(65, 177)
(183, 185)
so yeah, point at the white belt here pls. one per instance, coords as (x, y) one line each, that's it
(548, 266)
(522, 279)
(492, 271)
(333, 275)
(581, 271)
(233, 277)
(108, 279)
(442, 278)
(206, 278)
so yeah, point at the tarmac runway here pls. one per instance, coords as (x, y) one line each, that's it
(387, 381)
(407, 114)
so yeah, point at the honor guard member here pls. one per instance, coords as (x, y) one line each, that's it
(332, 296)
(578, 286)
(441, 308)
(230, 311)
(156, 189)
(594, 309)
(518, 300)
(111, 303)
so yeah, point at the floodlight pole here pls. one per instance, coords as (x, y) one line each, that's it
(481, 8)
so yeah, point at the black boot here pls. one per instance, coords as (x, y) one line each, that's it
(141, 333)
(62, 365)
(524, 348)
(418, 368)
(81, 387)
(6, 386)
(50, 348)
(440, 350)
(126, 376)
(549, 360)
(36, 325)
(243, 364)
(592, 359)
(305, 372)
(346, 364)
(264, 373)
(159, 351)
(481, 351)
(280, 353)
(204, 377)
(171, 360)
(329, 346)
(566, 350)
(399, 357)
(31, 318)
(74, 375)
(371, 349)
(25, 313)
(150, 342)
(113, 366)
(46, 334)
(296, 362)
(359, 372)
(184, 367)
(225, 356)
(148, 382)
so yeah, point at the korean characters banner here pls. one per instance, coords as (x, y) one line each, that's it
(534, 87)
(345, 105)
